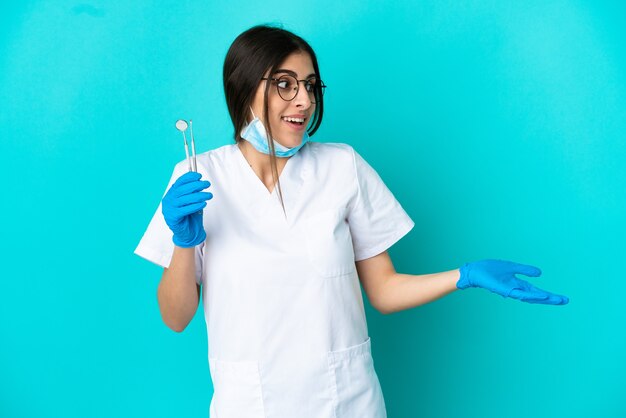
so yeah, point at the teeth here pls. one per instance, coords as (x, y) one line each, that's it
(300, 120)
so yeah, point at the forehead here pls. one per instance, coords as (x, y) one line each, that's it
(299, 63)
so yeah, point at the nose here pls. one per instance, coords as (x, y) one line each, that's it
(302, 99)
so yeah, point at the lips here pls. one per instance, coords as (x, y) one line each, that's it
(294, 125)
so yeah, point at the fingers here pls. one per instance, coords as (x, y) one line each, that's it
(189, 187)
(528, 296)
(536, 295)
(189, 209)
(186, 178)
(526, 292)
(185, 196)
(193, 198)
(557, 300)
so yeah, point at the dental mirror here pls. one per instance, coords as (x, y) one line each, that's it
(181, 125)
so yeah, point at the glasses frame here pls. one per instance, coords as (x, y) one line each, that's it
(319, 88)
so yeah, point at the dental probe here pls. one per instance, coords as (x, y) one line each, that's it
(193, 147)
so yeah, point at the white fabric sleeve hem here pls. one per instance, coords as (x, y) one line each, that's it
(155, 257)
(402, 230)
(164, 260)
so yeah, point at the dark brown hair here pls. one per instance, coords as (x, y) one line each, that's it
(252, 54)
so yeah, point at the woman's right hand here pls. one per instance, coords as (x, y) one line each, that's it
(182, 209)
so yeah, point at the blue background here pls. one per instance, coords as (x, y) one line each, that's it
(499, 126)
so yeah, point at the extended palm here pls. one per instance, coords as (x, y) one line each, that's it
(499, 277)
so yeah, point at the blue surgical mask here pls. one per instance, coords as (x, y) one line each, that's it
(255, 133)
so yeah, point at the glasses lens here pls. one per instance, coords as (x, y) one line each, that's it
(312, 86)
(287, 87)
(318, 91)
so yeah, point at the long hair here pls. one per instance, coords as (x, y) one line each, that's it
(252, 54)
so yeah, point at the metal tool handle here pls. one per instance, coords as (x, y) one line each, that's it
(192, 165)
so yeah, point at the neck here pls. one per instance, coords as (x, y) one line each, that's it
(260, 162)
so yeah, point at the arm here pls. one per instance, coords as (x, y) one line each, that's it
(389, 291)
(182, 205)
(178, 293)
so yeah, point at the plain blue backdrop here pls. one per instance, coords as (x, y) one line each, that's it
(498, 125)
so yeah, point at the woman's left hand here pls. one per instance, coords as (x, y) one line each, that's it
(498, 276)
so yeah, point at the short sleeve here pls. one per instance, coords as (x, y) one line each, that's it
(156, 245)
(376, 219)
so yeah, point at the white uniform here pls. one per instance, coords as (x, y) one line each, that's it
(282, 301)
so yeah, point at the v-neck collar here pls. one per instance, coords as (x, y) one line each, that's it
(259, 182)
(291, 178)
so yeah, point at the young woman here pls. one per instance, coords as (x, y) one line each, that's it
(281, 244)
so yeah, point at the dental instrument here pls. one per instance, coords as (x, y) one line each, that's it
(182, 126)
(193, 147)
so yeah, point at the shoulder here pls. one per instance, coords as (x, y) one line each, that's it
(209, 160)
(218, 155)
(333, 165)
(331, 153)
(330, 147)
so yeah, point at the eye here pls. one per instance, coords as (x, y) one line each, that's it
(310, 85)
(285, 83)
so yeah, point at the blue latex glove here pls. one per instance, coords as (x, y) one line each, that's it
(498, 276)
(182, 209)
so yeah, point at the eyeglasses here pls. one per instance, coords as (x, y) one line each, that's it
(288, 86)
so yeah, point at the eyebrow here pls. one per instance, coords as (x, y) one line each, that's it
(282, 70)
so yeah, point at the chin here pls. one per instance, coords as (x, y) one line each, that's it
(291, 141)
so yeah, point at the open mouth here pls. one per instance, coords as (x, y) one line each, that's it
(296, 122)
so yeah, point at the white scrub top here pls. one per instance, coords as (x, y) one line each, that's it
(287, 333)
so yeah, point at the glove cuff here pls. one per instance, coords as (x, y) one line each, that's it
(188, 244)
(464, 282)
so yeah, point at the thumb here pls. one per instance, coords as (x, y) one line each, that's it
(526, 270)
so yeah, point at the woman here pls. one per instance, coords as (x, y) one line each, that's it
(279, 267)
